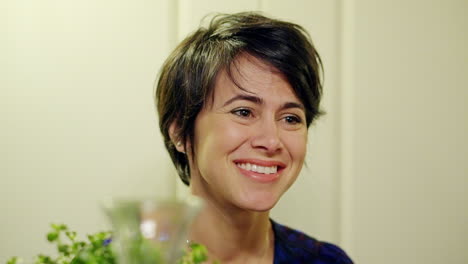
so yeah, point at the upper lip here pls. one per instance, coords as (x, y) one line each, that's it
(264, 163)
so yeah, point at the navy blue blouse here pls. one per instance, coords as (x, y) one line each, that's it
(295, 247)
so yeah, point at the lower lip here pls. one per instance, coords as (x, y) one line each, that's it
(259, 177)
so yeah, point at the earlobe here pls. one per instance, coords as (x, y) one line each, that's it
(176, 141)
(180, 147)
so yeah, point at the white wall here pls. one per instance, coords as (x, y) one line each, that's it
(387, 166)
(406, 157)
(77, 120)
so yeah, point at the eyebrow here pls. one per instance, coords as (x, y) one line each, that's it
(290, 105)
(257, 100)
(240, 97)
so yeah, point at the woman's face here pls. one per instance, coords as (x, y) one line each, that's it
(249, 144)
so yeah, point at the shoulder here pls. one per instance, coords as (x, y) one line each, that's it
(293, 246)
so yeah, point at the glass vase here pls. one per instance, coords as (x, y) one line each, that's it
(151, 231)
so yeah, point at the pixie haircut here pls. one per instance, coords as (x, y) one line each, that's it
(188, 75)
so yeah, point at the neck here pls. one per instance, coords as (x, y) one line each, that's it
(234, 235)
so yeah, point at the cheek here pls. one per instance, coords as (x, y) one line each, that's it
(297, 145)
(215, 138)
(232, 135)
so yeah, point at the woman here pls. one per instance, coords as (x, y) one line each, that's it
(235, 101)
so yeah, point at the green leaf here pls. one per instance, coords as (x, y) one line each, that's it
(64, 249)
(199, 253)
(52, 236)
(42, 259)
(71, 235)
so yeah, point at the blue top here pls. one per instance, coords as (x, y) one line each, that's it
(295, 247)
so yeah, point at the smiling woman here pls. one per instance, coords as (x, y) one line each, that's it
(235, 100)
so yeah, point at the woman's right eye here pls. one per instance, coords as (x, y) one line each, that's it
(242, 112)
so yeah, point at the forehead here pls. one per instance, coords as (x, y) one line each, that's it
(250, 75)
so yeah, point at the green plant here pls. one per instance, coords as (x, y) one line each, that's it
(96, 250)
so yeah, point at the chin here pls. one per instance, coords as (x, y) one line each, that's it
(259, 203)
(262, 209)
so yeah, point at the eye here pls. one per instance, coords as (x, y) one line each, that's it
(293, 119)
(242, 112)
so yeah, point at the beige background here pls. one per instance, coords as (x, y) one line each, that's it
(387, 166)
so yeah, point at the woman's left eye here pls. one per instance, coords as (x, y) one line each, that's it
(242, 112)
(292, 119)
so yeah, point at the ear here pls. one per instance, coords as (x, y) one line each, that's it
(178, 144)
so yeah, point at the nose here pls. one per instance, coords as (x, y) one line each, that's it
(267, 137)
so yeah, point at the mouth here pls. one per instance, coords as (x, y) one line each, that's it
(258, 168)
(261, 171)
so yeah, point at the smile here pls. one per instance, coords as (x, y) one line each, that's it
(258, 168)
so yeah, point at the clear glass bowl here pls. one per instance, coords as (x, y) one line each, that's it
(151, 230)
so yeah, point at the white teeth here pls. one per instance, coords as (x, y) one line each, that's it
(273, 169)
(258, 168)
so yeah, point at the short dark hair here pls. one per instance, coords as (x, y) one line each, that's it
(188, 75)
